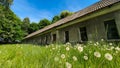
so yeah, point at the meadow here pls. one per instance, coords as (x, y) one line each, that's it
(90, 55)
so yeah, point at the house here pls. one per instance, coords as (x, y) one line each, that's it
(98, 21)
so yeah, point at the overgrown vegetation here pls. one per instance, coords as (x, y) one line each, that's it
(13, 29)
(91, 55)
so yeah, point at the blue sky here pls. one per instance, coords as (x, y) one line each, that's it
(40, 9)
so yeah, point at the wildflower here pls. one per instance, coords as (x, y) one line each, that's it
(97, 43)
(74, 58)
(69, 44)
(102, 40)
(108, 56)
(67, 48)
(53, 48)
(110, 44)
(80, 48)
(112, 47)
(85, 58)
(117, 48)
(56, 59)
(63, 56)
(68, 65)
(78, 45)
(0, 52)
(97, 54)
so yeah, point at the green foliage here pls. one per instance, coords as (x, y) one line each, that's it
(62, 15)
(43, 23)
(33, 27)
(60, 56)
(55, 19)
(10, 26)
(65, 13)
(6, 3)
(26, 25)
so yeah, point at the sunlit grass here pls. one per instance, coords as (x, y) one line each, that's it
(91, 55)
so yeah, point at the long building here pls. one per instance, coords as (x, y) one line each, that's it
(98, 21)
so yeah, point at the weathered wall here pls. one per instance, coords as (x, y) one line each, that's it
(95, 30)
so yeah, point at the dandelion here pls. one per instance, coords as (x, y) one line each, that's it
(97, 54)
(80, 48)
(56, 59)
(85, 58)
(102, 40)
(110, 44)
(117, 48)
(74, 58)
(67, 48)
(108, 56)
(97, 43)
(0, 52)
(53, 48)
(112, 47)
(63, 56)
(69, 44)
(68, 65)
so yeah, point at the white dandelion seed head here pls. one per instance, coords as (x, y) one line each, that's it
(110, 44)
(68, 65)
(56, 59)
(80, 48)
(0, 52)
(67, 48)
(85, 57)
(68, 44)
(63, 56)
(108, 56)
(74, 58)
(97, 43)
(112, 47)
(102, 40)
(53, 48)
(97, 54)
(117, 48)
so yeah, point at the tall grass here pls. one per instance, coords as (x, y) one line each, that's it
(91, 55)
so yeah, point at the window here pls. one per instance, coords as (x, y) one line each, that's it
(83, 34)
(111, 30)
(54, 37)
(66, 36)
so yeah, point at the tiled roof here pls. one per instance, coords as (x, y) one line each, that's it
(97, 6)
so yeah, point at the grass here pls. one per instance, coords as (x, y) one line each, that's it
(60, 56)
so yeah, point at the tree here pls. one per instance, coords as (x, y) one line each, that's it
(65, 13)
(55, 18)
(10, 27)
(43, 23)
(33, 27)
(26, 25)
(6, 3)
